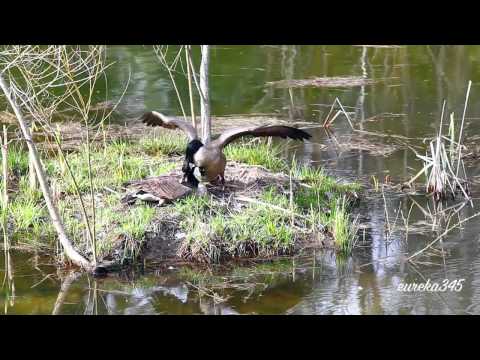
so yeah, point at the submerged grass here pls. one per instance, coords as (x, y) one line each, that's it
(247, 280)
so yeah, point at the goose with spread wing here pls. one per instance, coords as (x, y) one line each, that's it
(207, 161)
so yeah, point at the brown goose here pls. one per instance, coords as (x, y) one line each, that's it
(207, 161)
(160, 190)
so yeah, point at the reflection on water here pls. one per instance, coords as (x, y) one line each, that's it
(405, 100)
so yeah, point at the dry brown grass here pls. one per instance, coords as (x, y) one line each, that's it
(329, 82)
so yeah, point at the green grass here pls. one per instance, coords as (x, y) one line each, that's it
(114, 225)
(27, 192)
(257, 154)
(317, 178)
(343, 229)
(135, 225)
(215, 232)
(113, 165)
(17, 159)
(164, 144)
(30, 219)
(327, 203)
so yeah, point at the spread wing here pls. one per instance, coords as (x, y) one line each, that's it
(260, 131)
(154, 118)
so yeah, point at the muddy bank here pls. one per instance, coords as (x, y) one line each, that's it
(73, 133)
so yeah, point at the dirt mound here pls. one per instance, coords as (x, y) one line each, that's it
(244, 187)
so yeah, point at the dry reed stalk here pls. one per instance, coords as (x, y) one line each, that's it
(190, 90)
(439, 164)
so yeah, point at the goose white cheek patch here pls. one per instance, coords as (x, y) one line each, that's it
(197, 174)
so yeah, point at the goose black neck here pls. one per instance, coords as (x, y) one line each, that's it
(192, 148)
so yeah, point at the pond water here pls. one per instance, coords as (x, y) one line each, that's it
(405, 99)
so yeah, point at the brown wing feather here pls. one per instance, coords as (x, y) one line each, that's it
(154, 118)
(260, 131)
(163, 187)
(170, 189)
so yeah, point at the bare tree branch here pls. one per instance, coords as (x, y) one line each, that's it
(70, 251)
